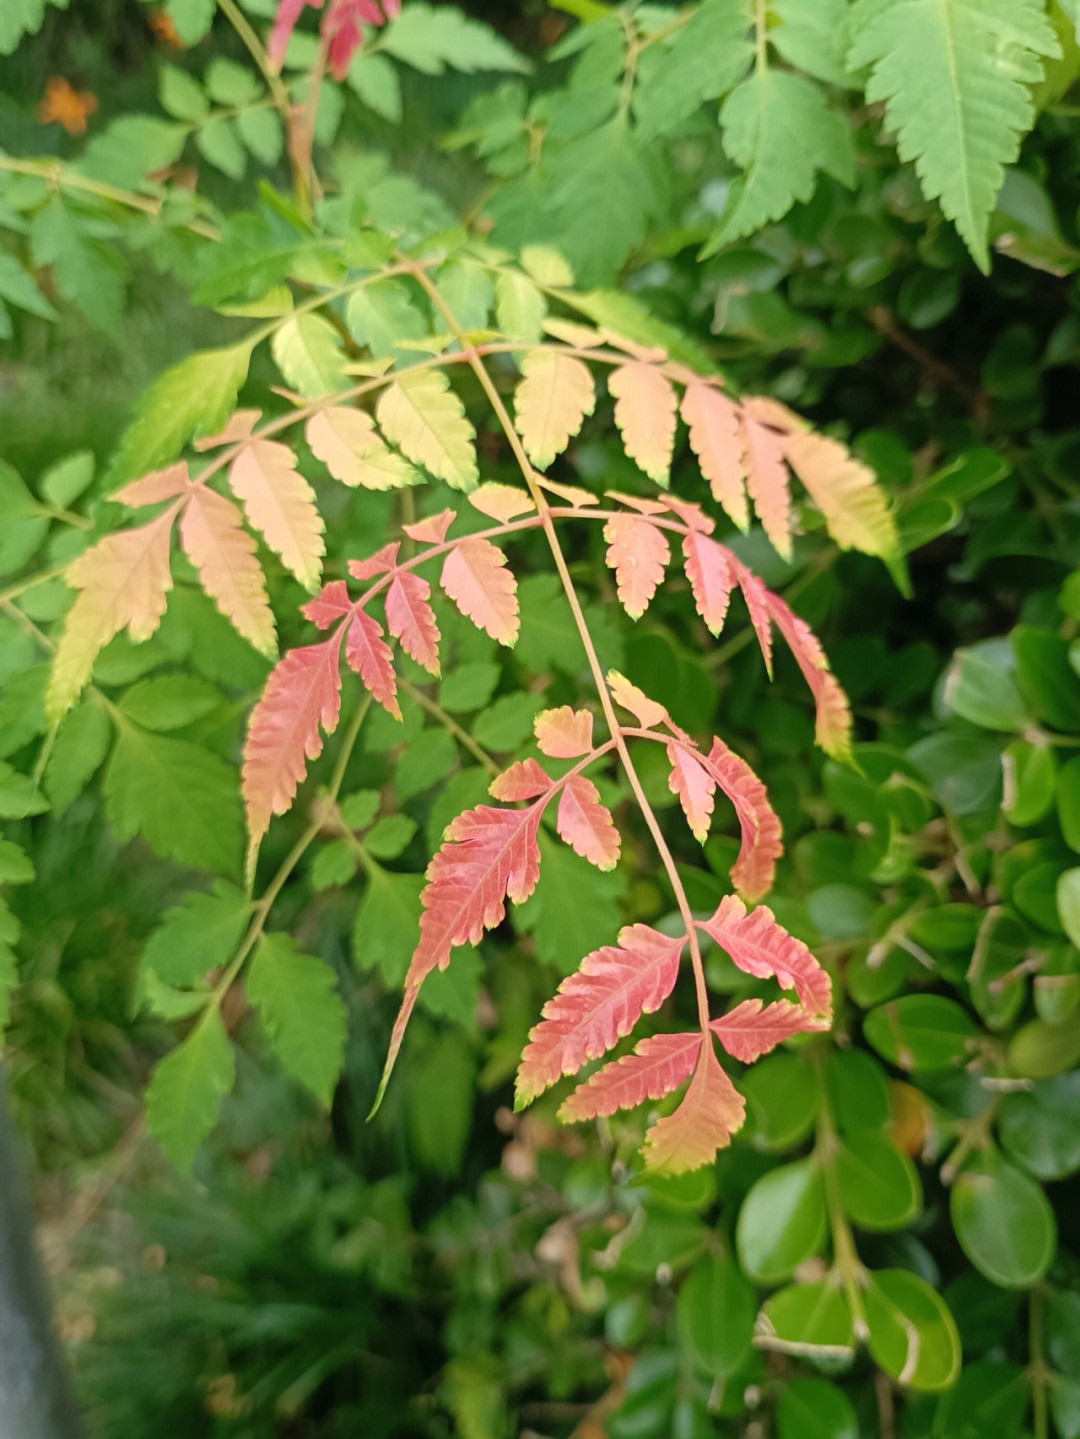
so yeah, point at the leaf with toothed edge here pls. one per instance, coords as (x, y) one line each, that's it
(759, 946)
(585, 824)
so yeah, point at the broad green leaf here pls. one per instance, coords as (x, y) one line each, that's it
(22, 707)
(955, 79)
(80, 746)
(806, 1317)
(181, 798)
(260, 129)
(980, 689)
(912, 1334)
(301, 1011)
(858, 1090)
(1068, 903)
(451, 993)
(16, 866)
(811, 36)
(383, 314)
(334, 864)
(424, 764)
(193, 398)
(181, 95)
(387, 925)
(920, 1031)
(782, 1096)
(1003, 1221)
(714, 1315)
(184, 1096)
(564, 933)
(879, 1187)
(467, 291)
(815, 1409)
(1068, 801)
(469, 686)
(131, 148)
(377, 83)
(1040, 1127)
(519, 307)
(779, 130)
(65, 481)
(389, 836)
(197, 935)
(307, 351)
(165, 702)
(508, 723)
(1047, 677)
(782, 1221)
(988, 1401)
(434, 38)
(1030, 782)
(1039, 1050)
(192, 18)
(230, 83)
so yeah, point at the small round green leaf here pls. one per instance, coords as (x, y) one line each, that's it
(912, 1334)
(1003, 1221)
(879, 1186)
(1040, 1128)
(920, 1031)
(782, 1221)
(715, 1315)
(1030, 780)
(815, 1409)
(782, 1095)
(857, 1088)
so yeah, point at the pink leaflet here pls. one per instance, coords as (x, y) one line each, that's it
(748, 1031)
(757, 603)
(331, 604)
(710, 1113)
(762, 844)
(713, 421)
(657, 1066)
(476, 578)
(410, 618)
(767, 480)
(833, 724)
(564, 733)
(638, 552)
(759, 946)
(711, 578)
(524, 780)
(369, 655)
(694, 786)
(431, 531)
(380, 563)
(585, 824)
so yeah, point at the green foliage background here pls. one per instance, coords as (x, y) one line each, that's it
(811, 204)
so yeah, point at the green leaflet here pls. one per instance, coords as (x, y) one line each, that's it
(25, 523)
(80, 746)
(192, 18)
(22, 17)
(184, 1096)
(196, 935)
(307, 350)
(93, 276)
(9, 978)
(387, 924)
(436, 38)
(564, 933)
(301, 1011)
(955, 78)
(702, 62)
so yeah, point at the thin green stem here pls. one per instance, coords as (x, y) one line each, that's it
(1039, 1374)
(60, 176)
(972, 1134)
(846, 1262)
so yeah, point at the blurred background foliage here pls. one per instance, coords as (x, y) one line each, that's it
(453, 1268)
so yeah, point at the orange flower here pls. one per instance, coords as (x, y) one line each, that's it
(162, 28)
(66, 105)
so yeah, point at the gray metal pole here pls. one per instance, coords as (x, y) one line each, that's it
(35, 1396)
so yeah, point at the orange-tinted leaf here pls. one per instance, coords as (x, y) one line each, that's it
(501, 502)
(597, 1005)
(476, 578)
(331, 604)
(638, 553)
(524, 780)
(759, 946)
(410, 618)
(694, 786)
(422, 415)
(657, 1066)
(691, 514)
(845, 491)
(280, 504)
(216, 543)
(645, 407)
(711, 578)
(710, 1113)
(647, 712)
(369, 655)
(342, 437)
(586, 825)
(762, 844)
(833, 725)
(303, 691)
(564, 733)
(757, 603)
(431, 531)
(748, 1031)
(554, 395)
(236, 429)
(713, 421)
(380, 563)
(767, 480)
(642, 503)
(156, 487)
(123, 581)
(574, 495)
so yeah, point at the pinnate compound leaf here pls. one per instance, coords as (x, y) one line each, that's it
(410, 619)
(122, 583)
(748, 1031)
(423, 416)
(956, 79)
(713, 422)
(155, 488)
(301, 1011)
(599, 1004)
(564, 733)
(762, 844)
(280, 504)
(554, 395)
(657, 1066)
(711, 578)
(223, 553)
(833, 723)
(303, 691)
(648, 713)
(759, 946)
(184, 1096)
(645, 410)
(711, 1111)
(476, 578)
(369, 655)
(523, 780)
(695, 787)
(638, 552)
(586, 825)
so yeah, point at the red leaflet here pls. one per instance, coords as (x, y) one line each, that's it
(369, 655)
(757, 603)
(490, 855)
(411, 619)
(155, 487)
(648, 713)
(302, 693)
(767, 479)
(431, 531)
(280, 504)
(638, 553)
(331, 604)
(711, 578)
(216, 543)
(748, 1031)
(380, 563)
(713, 421)
(523, 780)
(762, 948)
(762, 844)
(645, 414)
(833, 725)
(710, 1113)
(597, 1005)
(695, 787)
(657, 1066)
(563, 733)
(485, 591)
(586, 825)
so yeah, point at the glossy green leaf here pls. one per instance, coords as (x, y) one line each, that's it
(815, 1409)
(1040, 1127)
(1030, 782)
(980, 689)
(1046, 677)
(1003, 1221)
(782, 1094)
(989, 1401)
(1068, 903)
(912, 1334)
(808, 1319)
(879, 1187)
(858, 1090)
(715, 1315)
(782, 1221)
(1039, 1050)
(920, 1031)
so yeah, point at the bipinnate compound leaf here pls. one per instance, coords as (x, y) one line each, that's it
(833, 722)
(658, 1065)
(184, 1096)
(710, 1112)
(713, 422)
(197, 935)
(301, 1011)
(759, 946)
(223, 553)
(554, 395)
(280, 504)
(956, 79)
(638, 553)
(476, 578)
(645, 410)
(597, 1005)
(711, 578)
(585, 824)
(122, 582)
(694, 786)
(564, 733)
(423, 416)
(748, 1031)
(303, 691)
(410, 619)
(369, 655)
(762, 845)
